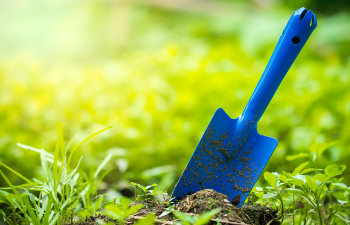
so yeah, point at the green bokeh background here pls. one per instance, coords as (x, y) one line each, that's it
(156, 71)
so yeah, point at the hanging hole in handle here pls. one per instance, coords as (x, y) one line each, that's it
(303, 14)
(295, 40)
(312, 21)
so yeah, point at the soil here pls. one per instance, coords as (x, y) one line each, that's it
(203, 201)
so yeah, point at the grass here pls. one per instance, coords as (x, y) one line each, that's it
(59, 196)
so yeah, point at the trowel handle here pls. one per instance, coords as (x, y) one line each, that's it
(292, 40)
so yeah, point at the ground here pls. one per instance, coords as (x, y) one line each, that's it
(198, 203)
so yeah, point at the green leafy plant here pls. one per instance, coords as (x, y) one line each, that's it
(203, 219)
(148, 192)
(121, 209)
(308, 195)
(56, 197)
(147, 220)
(169, 208)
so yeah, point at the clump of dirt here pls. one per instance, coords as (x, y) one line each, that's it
(206, 200)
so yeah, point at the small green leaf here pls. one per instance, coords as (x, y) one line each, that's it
(284, 178)
(299, 168)
(311, 182)
(111, 214)
(312, 204)
(255, 189)
(321, 177)
(155, 191)
(343, 219)
(269, 195)
(259, 194)
(319, 148)
(147, 220)
(133, 209)
(308, 170)
(271, 179)
(124, 202)
(206, 217)
(142, 187)
(150, 186)
(298, 156)
(296, 180)
(342, 202)
(334, 170)
(164, 213)
(294, 191)
(185, 219)
(341, 185)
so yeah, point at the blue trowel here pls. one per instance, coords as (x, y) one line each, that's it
(231, 154)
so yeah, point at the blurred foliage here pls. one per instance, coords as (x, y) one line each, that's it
(157, 74)
(322, 6)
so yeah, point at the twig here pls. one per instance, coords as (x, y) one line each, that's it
(157, 221)
(173, 222)
(222, 221)
(189, 207)
(324, 214)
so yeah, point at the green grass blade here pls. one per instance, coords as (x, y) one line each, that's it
(103, 164)
(57, 169)
(87, 139)
(41, 204)
(41, 151)
(44, 165)
(48, 156)
(9, 183)
(61, 147)
(21, 186)
(47, 211)
(60, 140)
(54, 219)
(54, 168)
(74, 171)
(17, 173)
(33, 217)
(98, 203)
(75, 132)
(100, 179)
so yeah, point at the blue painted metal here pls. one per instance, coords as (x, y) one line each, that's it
(231, 154)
